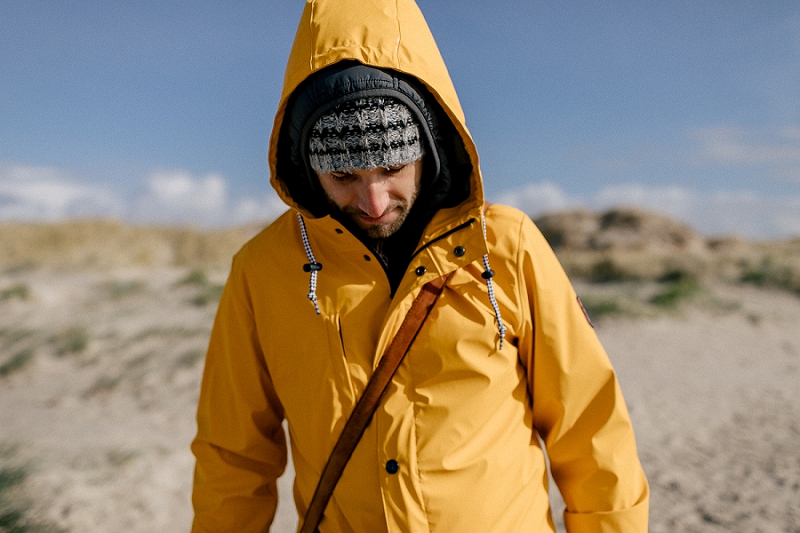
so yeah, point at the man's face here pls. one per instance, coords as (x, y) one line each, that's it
(377, 200)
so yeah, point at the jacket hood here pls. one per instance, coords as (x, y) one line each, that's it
(394, 37)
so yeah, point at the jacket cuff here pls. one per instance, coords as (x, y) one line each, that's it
(633, 519)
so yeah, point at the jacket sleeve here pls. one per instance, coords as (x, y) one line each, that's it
(578, 408)
(240, 446)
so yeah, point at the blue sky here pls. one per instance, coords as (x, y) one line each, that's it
(160, 111)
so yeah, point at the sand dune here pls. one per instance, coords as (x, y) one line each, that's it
(101, 354)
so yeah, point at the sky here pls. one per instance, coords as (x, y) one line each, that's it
(159, 111)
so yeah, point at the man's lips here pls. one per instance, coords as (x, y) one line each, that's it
(374, 220)
(385, 217)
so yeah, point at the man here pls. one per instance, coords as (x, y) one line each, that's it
(371, 153)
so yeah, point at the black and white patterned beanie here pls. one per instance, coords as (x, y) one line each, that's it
(365, 133)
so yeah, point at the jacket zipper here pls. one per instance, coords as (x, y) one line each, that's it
(385, 265)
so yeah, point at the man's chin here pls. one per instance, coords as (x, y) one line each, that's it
(380, 231)
(383, 230)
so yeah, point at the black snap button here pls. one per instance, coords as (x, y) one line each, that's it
(392, 467)
(459, 251)
(421, 271)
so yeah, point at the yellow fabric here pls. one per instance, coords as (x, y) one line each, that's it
(460, 417)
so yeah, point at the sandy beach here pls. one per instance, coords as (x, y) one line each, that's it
(100, 370)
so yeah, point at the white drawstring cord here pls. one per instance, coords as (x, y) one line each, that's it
(312, 266)
(488, 274)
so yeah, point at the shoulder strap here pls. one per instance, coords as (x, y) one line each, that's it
(368, 403)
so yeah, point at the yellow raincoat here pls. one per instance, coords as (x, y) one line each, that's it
(461, 417)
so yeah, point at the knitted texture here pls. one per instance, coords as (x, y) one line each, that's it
(365, 133)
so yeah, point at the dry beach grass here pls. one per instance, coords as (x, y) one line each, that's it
(103, 330)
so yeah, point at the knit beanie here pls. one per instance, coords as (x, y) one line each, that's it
(365, 133)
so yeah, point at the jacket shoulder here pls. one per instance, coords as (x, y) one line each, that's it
(509, 223)
(500, 213)
(270, 243)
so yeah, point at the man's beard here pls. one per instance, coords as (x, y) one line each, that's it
(377, 231)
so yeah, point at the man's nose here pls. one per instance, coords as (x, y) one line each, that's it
(373, 198)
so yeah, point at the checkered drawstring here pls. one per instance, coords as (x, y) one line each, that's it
(488, 274)
(312, 266)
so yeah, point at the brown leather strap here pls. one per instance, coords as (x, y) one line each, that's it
(368, 403)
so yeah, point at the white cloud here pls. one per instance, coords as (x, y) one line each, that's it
(670, 199)
(31, 193)
(179, 197)
(46, 193)
(744, 213)
(731, 145)
(537, 197)
(169, 197)
(267, 207)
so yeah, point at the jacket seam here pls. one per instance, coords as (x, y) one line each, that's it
(423, 497)
(518, 271)
(311, 18)
(399, 35)
(346, 361)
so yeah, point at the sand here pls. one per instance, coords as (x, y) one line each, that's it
(100, 370)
